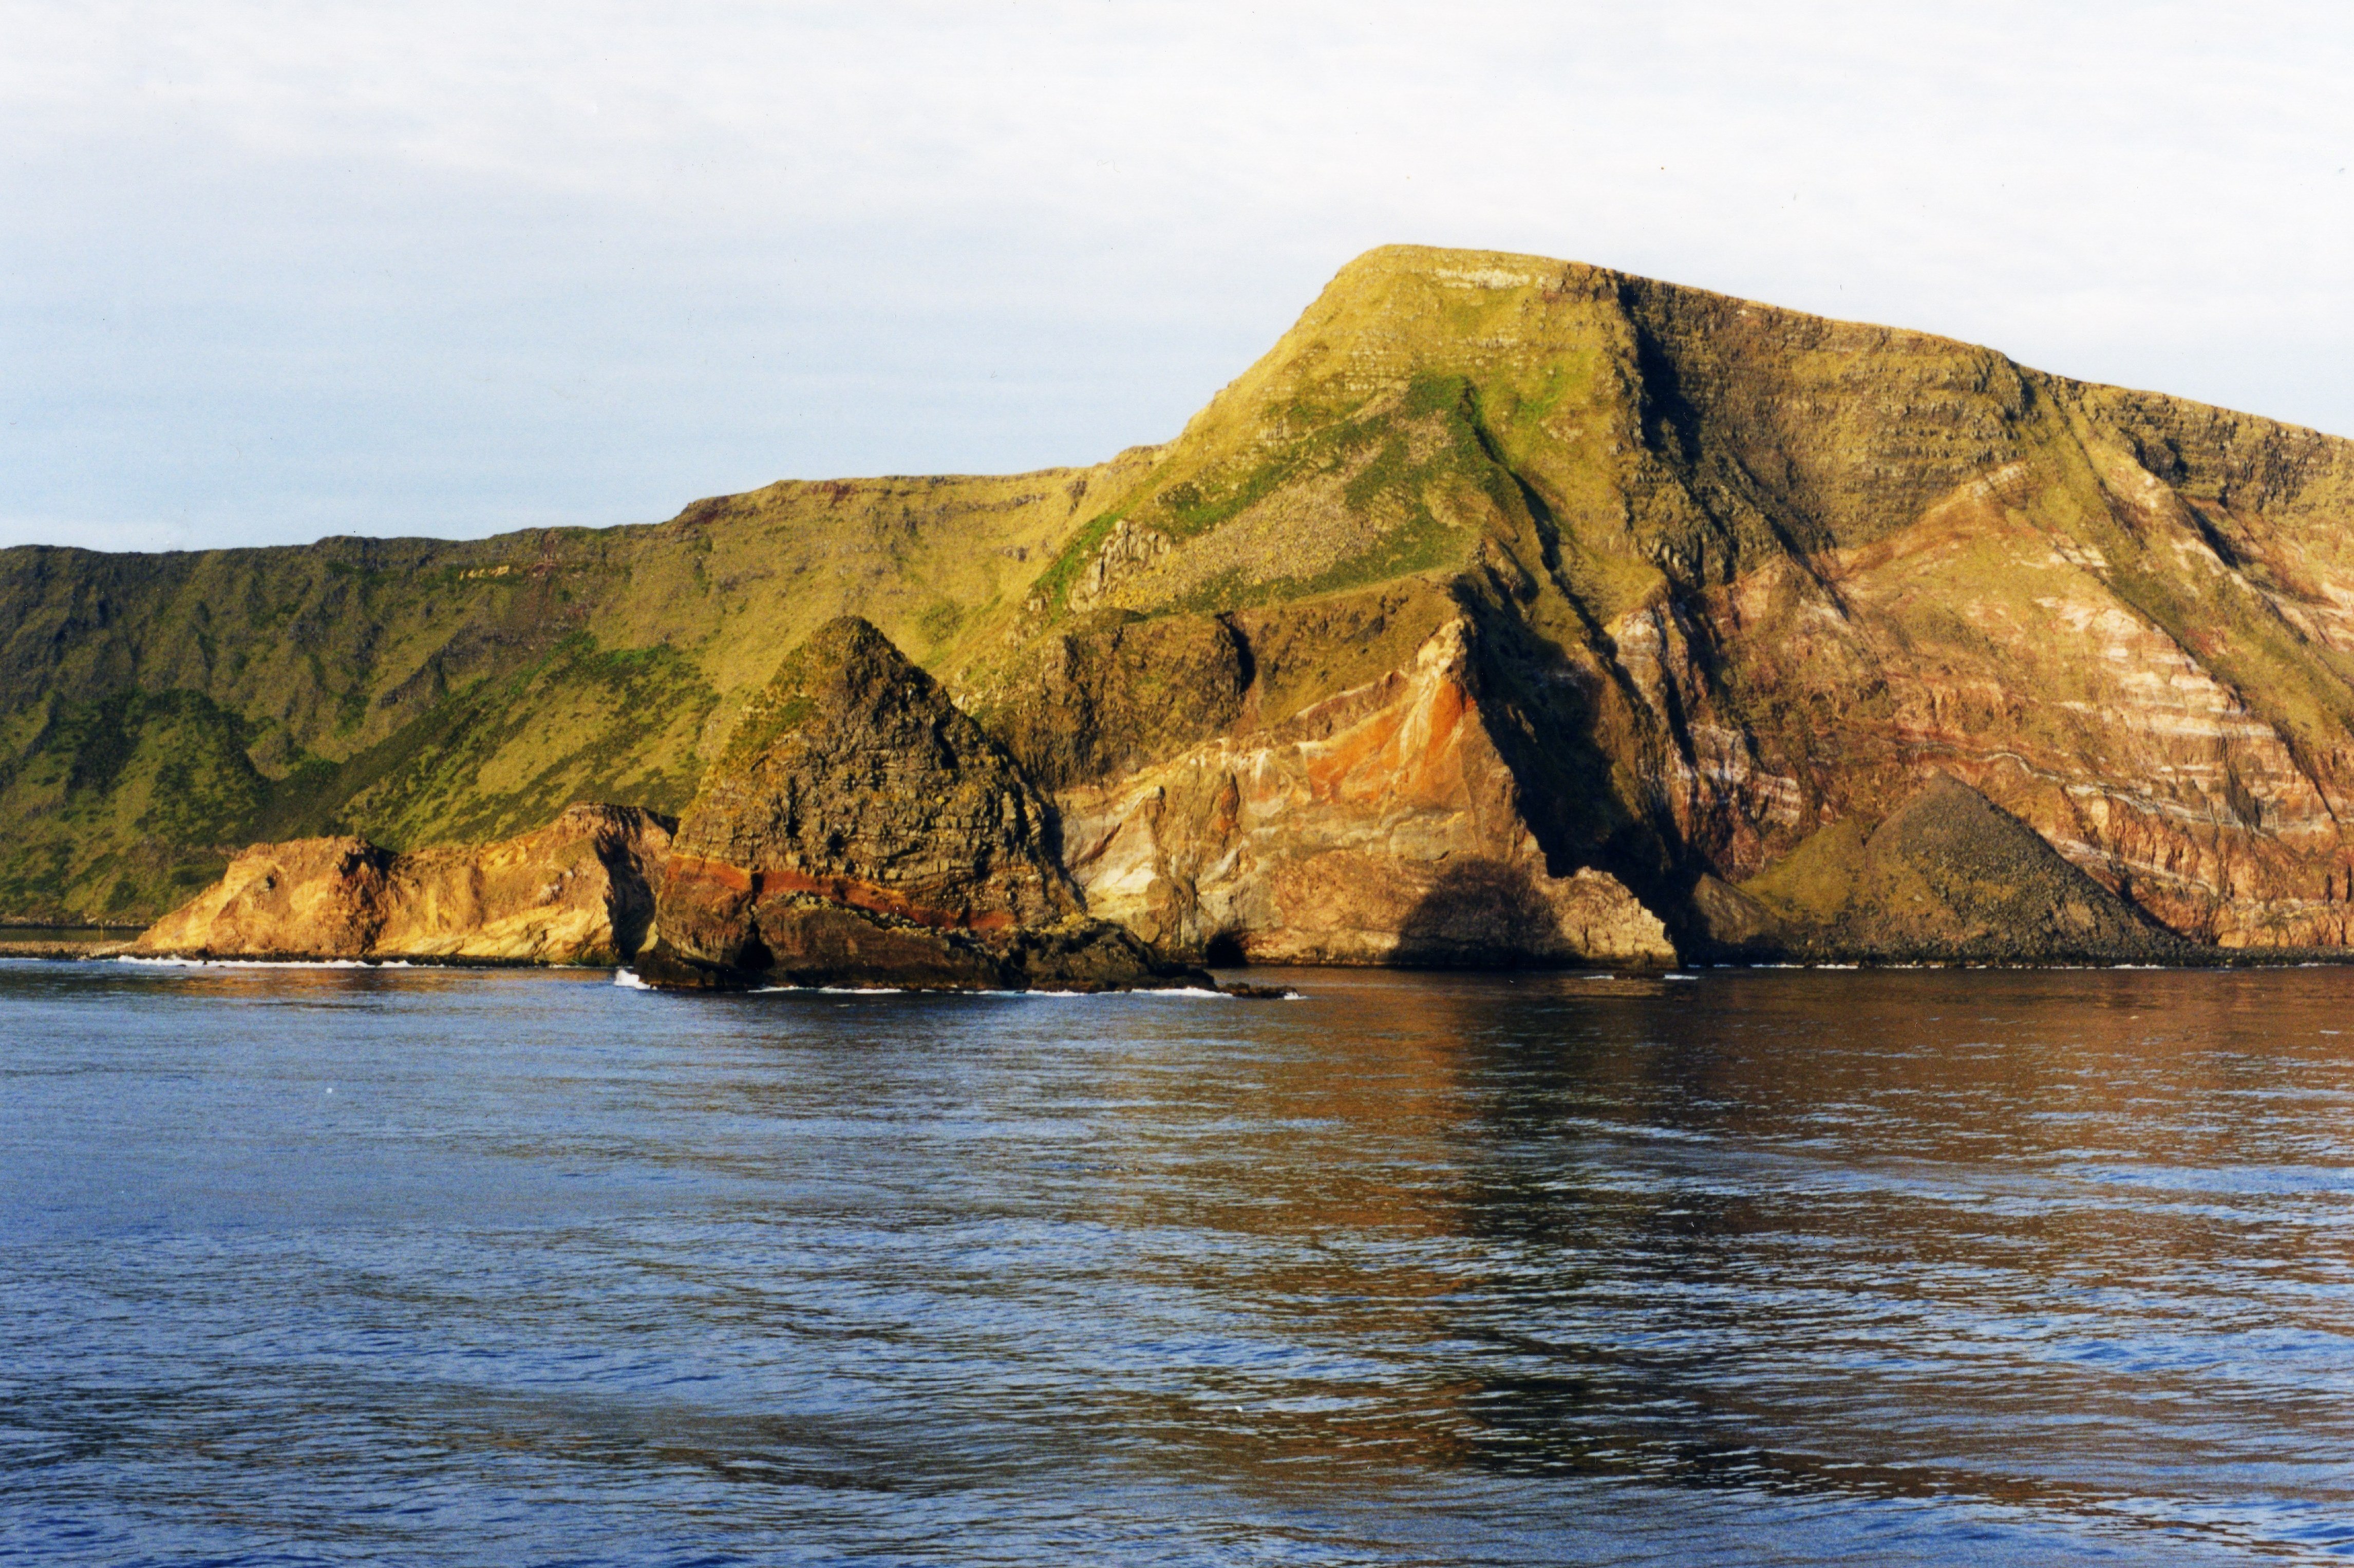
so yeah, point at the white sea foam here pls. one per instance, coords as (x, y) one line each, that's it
(628, 981)
(1190, 993)
(169, 961)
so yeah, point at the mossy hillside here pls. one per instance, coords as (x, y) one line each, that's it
(426, 691)
(1361, 500)
(580, 723)
(1372, 443)
(124, 804)
(1543, 369)
(339, 642)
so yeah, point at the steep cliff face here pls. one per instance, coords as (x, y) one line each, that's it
(578, 891)
(1380, 824)
(859, 828)
(1729, 577)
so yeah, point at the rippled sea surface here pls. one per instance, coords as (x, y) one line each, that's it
(313, 1266)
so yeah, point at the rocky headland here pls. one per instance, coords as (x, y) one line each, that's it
(1507, 610)
(578, 891)
(859, 830)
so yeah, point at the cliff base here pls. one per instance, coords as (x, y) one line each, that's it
(811, 943)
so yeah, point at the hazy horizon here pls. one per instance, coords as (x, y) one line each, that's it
(281, 272)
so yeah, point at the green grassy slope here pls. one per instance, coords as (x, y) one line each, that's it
(159, 712)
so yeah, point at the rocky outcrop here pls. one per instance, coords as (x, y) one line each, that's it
(578, 891)
(1950, 877)
(860, 829)
(1381, 825)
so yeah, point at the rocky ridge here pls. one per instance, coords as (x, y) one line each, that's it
(860, 829)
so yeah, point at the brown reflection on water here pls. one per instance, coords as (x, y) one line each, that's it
(2134, 1093)
(2022, 1234)
(1330, 1170)
(2012, 1234)
(1347, 1170)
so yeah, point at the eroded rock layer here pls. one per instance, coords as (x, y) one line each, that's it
(1381, 825)
(578, 891)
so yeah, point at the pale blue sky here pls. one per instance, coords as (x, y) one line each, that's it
(277, 271)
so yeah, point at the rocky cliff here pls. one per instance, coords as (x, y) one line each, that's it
(1698, 580)
(860, 829)
(1739, 577)
(1381, 824)
(578, 891)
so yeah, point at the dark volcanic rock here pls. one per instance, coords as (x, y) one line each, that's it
(860, 829)
(1948, 876)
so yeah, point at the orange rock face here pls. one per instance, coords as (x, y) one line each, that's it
(1381, 825)
(576, 891)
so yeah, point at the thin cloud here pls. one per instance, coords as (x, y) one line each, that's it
(284, 269)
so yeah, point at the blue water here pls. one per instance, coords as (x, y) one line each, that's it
(1776, 1268)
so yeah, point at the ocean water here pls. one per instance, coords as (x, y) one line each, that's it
(422, 1266)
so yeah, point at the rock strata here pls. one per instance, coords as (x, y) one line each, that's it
(578, 891)
(860, 829)
(1382, 825)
